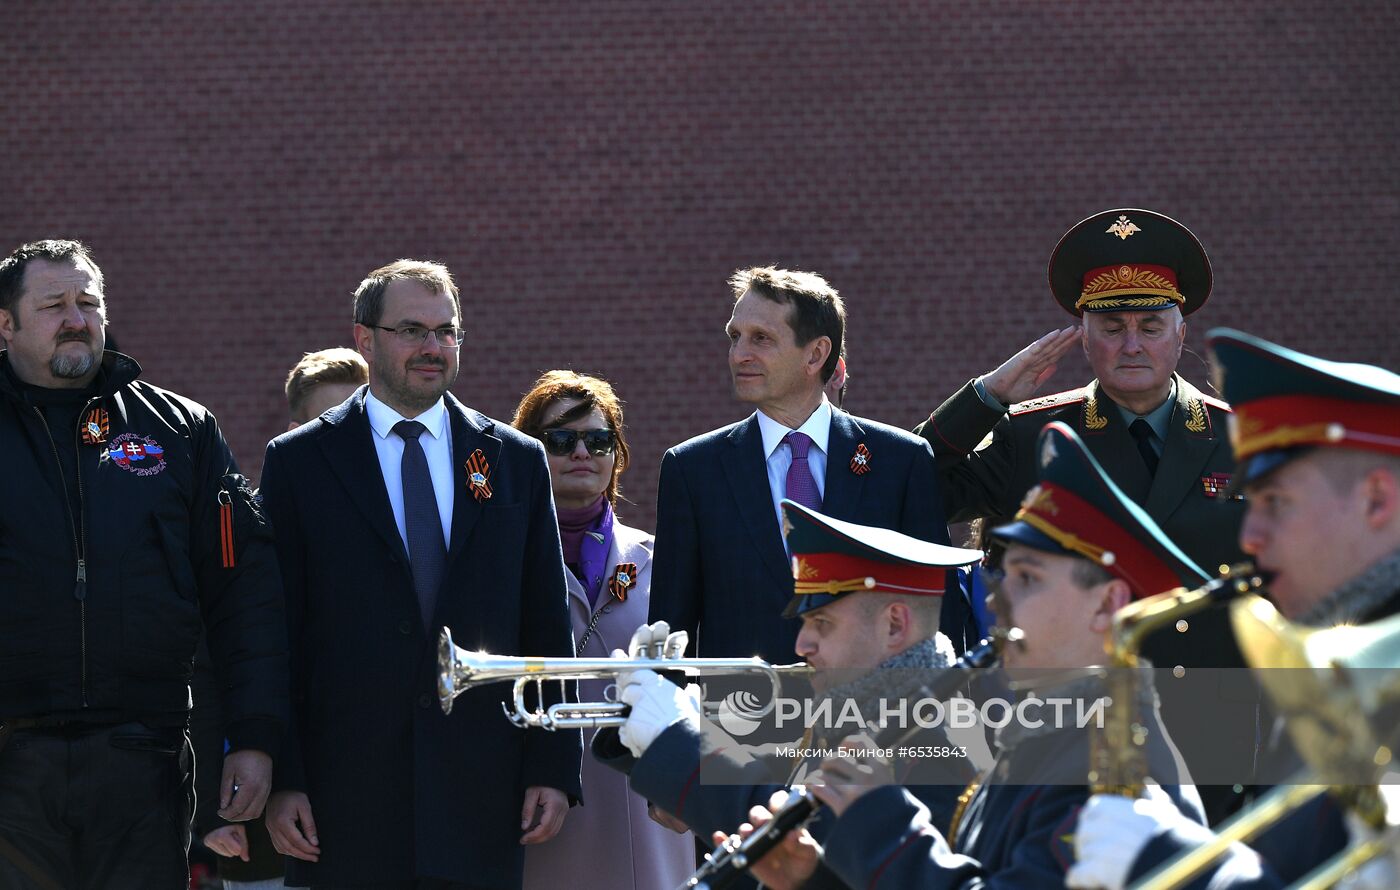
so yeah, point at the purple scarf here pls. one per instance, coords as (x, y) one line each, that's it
(587, 536)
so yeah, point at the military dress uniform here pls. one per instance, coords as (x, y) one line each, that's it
(1287, 404)
(1017, 828)
(1117, 261)
(710, 781)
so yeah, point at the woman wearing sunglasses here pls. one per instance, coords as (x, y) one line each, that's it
(610, 842)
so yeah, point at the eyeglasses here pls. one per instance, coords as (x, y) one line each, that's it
(561, 443)
(416, 335)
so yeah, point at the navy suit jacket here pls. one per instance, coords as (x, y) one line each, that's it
(398, 789)
(720, 569)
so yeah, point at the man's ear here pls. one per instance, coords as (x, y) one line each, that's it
(817, 353)
(7, 323)
(364, 341)
(1382, 492)
(1113, 595)
(899, 626)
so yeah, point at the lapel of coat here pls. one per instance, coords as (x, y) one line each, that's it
(1102, 428)
(350, 452)
(841, 496)
(471, 432)
(626, 547)
(1190, 443)
(747, 472)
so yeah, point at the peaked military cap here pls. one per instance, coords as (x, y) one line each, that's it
(1129, 260)
(831, 558)
(1076, 509)
(1286, 403)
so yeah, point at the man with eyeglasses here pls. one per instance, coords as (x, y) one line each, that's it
(441, 517)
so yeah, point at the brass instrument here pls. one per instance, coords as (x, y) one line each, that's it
(462, 669)
(1340, 712)
(733, 857)
(1117, 762)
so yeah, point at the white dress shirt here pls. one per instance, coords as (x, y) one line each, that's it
(437, 448)
(778, 453)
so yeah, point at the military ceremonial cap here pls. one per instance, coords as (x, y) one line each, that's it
(1286, 402)
(1129, 260)
(1076, 509)
(831, 558)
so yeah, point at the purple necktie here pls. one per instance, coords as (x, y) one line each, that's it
(801, 485)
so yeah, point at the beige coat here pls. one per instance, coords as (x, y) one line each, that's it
(609, 843)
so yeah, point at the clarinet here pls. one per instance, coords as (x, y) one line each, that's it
(733, 857)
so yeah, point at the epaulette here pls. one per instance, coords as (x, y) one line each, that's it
(1217, 403)
(1068, 397)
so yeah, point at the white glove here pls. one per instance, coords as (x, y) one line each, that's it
(656, 641)
(656, 704)
(1380, 873)
(1112, 831)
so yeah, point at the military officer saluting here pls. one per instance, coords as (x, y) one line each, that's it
(1131, 276)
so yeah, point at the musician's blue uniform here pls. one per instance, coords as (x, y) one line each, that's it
(1012, 835)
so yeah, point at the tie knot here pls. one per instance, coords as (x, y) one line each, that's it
(799, 443)
(409, 429)
(1140, 429)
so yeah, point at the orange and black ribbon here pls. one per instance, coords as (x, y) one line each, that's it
(624, 578)
(226, 528)
(860, 461)
(479, 475)
(95, 427)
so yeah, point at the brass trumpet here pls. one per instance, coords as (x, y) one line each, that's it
(462, 669)
(1339, 710)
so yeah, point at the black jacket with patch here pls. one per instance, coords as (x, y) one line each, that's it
(100, 611)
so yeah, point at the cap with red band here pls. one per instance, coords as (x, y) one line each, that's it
(1127, 260)
(1287, 402)
(832, 558)
(1076, 509)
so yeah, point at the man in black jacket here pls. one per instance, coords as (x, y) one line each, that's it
(124, 522)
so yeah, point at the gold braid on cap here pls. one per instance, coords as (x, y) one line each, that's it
(1070, 542)
(833, 586)
(1128, 281)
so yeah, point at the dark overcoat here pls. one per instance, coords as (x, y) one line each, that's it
(398, 789)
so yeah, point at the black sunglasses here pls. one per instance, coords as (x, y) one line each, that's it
(561, 443)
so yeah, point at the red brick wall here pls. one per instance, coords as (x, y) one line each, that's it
(593, 171)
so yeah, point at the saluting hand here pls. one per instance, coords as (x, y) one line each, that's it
(1021, 376)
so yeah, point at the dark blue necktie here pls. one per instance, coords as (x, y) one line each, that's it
(1141, 430)
(422, 523)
